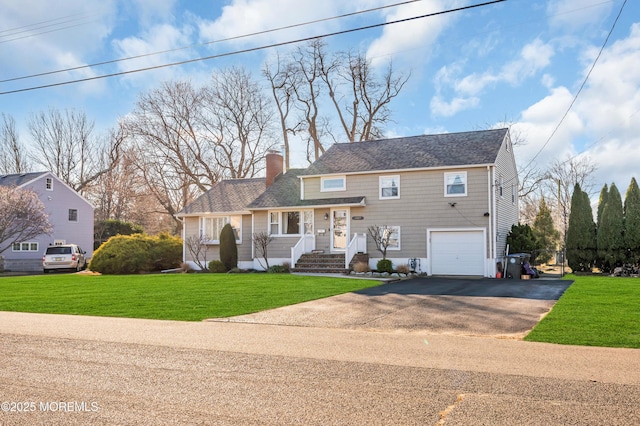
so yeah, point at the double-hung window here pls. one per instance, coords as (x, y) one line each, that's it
(389, 187)
(455, 184)
(210, 228)
(73, 215)
(390, 235)
(294, 222)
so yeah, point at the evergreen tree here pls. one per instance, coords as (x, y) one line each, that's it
(632, 222)
(521, 239)
(581, 235)
(228, 248)
(546, 235)
(604, 194)
(610, 232)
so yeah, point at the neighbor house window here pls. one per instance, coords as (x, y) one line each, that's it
(455, 184)
(22, 247)
(336, 183)
(392, 233)
(210, 228)
(291, 222)
(389, 187)
(501, 186)
(49, 184)
(73, 215)
(513, 194)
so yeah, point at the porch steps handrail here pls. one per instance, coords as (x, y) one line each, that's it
(358, 244)
(306, 244)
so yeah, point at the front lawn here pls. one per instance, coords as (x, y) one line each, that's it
(594, 311)
(184, 297)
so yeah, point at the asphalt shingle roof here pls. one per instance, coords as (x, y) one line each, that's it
(285, 192)
(19, 179)
(227, 196)
(424, 151)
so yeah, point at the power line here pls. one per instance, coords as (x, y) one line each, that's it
(113, 61)
(253, 49)
(47, 24)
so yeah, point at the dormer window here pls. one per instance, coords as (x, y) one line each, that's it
(333, 183)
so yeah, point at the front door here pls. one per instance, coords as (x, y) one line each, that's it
(339, 229)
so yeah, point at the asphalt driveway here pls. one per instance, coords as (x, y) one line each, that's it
(458, 306)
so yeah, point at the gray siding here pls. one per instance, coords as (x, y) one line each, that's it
(422, 204)
(192, 228)
(57, 203)
(507, 210)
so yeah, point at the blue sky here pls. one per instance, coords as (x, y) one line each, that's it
(518, 61)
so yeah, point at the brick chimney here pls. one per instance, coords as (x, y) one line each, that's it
(275, 165)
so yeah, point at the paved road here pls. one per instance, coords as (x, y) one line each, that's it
(122, 371)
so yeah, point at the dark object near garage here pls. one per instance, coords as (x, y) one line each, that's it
(518, 266)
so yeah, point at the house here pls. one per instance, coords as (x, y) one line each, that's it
(70, 215)
(448, 200)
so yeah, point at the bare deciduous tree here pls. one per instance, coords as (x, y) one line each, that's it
(382, 236)
(283, 94)
(239, 116)
(13, 156)
(66, 146)
(261, 241)
(23, 216)
(198, 248)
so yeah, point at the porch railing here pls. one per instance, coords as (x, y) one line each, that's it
(358, 244)
(306, 244)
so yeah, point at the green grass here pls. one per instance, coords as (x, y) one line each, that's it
(594, 311)
(184, 297)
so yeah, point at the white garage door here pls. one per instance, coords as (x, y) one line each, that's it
(457, 253)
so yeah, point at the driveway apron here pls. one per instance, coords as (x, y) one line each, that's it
(459, 306)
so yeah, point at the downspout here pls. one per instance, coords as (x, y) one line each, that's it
(491, 216)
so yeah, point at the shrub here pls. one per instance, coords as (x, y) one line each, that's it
(286, 266)
(138, 253)
(384, 265)
(276, 269)
(228, 247)
(216, 266)
(403, 269)
(361, 267)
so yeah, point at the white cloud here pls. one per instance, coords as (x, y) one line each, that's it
(603, 123)
(417, 35)
(242, 17)
(571, 15)
(533, 57)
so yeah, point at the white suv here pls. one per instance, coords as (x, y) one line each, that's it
(67, 256)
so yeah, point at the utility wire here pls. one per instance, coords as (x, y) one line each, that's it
(253, 49)
(46, 24)
(177, 49)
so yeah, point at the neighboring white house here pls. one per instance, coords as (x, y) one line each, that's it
(70, 215)
(449, 201)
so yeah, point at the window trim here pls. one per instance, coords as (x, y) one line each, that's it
(76, 215)
(29, 244)
(380, 187)
(301, 225)
(466, 184)
(229, 219)
(325, 179)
